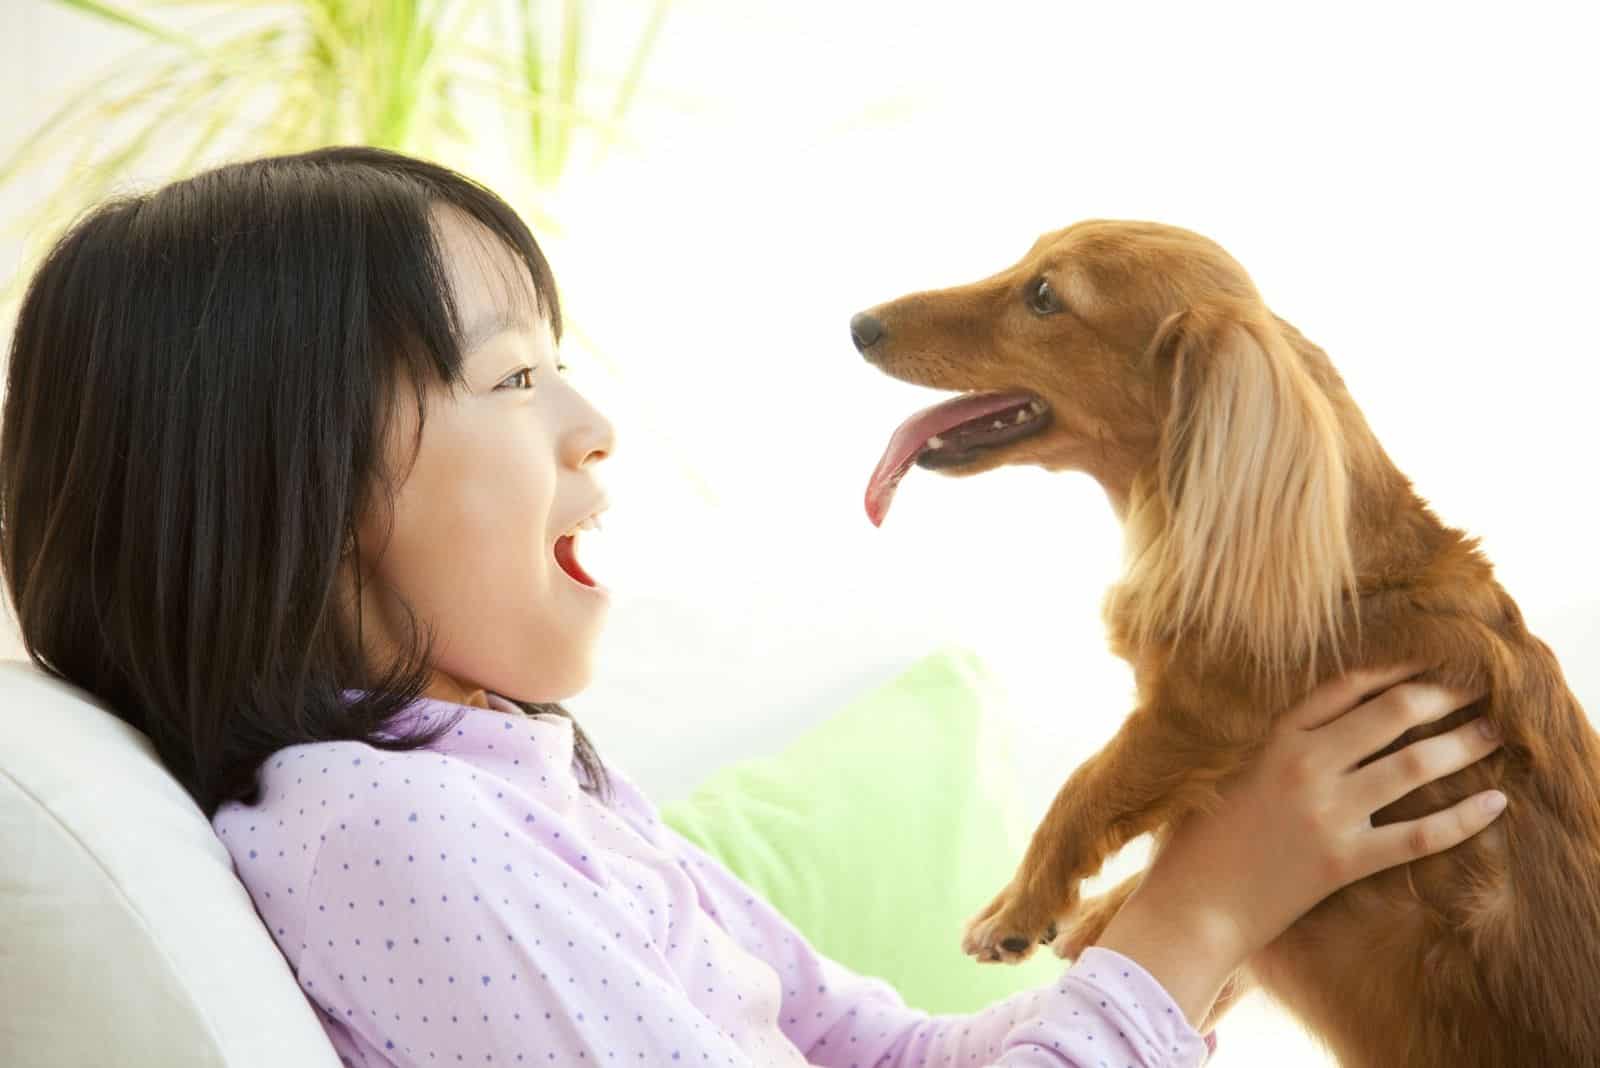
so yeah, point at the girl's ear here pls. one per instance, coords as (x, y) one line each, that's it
(1253, 479)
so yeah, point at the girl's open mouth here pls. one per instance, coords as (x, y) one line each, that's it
(567, 556)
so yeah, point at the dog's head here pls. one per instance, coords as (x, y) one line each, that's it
(1141, 354)
(1071, 351)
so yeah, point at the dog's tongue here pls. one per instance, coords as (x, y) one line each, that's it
(914, 433)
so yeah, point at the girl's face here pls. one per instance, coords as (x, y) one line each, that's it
(505, 467)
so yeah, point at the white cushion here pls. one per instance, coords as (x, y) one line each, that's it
(125, 936)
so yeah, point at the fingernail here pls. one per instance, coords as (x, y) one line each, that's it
(1493, 801)
(1487, 728)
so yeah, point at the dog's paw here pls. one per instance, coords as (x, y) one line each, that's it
(1007, 929)
(1076, 933)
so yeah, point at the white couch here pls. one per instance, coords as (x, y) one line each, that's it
(125, 937)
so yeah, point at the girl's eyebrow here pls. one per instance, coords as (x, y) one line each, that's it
(493, 322)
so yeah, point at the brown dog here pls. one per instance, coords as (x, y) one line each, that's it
(1270, 543)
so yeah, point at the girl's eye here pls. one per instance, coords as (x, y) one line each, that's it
(524, 373)
(1042, 299)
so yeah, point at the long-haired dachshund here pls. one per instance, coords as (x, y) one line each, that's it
(1270, 543)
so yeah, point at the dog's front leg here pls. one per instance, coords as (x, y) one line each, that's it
(1095, 915)
(1147, 774)
(1090, 920)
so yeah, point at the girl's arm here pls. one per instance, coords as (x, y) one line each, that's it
(1289, 830)
(1105, 1007)
(434, 941)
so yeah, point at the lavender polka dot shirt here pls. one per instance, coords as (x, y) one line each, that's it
(469, 904)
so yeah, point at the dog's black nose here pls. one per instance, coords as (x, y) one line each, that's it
(865, 331)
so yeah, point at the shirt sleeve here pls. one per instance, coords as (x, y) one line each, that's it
(457, 953)
(1104, 1009)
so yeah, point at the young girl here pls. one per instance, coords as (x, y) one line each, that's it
(290, 477)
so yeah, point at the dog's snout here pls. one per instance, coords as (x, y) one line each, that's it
(865, 330)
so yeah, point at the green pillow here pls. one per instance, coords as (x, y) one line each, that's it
(880, 831)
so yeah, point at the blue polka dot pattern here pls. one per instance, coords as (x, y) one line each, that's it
(469, 904)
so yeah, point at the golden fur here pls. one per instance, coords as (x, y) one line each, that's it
(1271, 543)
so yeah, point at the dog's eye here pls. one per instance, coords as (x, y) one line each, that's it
(1042, 299)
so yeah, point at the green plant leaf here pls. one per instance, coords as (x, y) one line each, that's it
(630, 80)
(533, 82)
(386, 72)
(111, 13)
(57, 125)
(516, 96)
(222, 114)
(567, 85)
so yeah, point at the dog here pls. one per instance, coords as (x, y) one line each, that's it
(1269, 544)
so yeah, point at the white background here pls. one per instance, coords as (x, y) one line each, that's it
(1411, 185)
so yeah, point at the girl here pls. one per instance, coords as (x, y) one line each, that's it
(291, 479)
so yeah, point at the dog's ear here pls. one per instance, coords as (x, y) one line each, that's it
(1253, 487)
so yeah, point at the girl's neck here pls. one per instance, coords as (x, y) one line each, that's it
(444, 687)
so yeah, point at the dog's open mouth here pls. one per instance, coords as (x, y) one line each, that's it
(952, 433)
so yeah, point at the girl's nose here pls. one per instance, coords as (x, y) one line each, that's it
(591, 437)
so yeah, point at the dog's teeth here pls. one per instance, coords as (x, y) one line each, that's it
(999, 424)
(935, 442)
(1036, 407)
(1023, 416)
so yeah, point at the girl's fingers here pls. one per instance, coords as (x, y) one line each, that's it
(1421, 762)
(1401, 843)
(1341, 693)
(1375, 723)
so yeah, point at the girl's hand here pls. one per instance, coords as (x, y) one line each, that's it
(1296, 824)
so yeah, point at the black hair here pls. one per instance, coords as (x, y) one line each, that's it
(199, 382)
